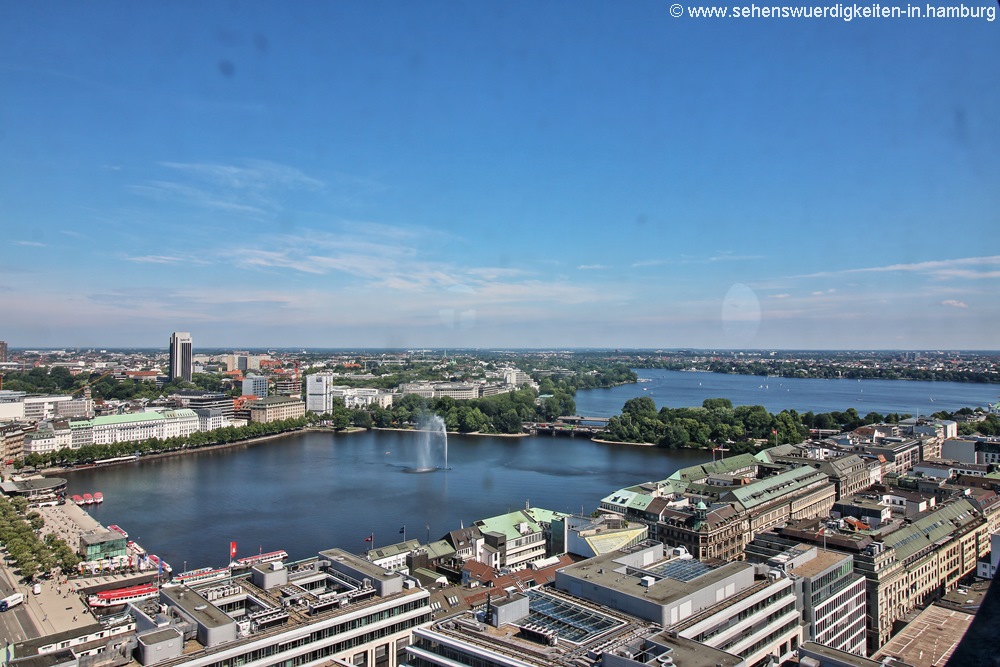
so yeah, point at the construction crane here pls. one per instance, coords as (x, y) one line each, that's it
(92, 382)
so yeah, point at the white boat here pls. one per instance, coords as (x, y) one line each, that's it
(250, 561)
(201, 576)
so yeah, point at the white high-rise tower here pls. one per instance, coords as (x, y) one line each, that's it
(181, 356)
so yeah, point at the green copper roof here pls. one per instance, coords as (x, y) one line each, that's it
(126, 419)
(924, 532)
(769, 488)
(721, 467)
(508, 523)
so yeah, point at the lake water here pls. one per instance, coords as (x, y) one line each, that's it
(308, 492)
(678, 389)
(312, 491)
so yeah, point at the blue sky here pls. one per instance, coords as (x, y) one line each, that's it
(495, 174)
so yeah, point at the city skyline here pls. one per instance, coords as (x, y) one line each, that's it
(561, 175)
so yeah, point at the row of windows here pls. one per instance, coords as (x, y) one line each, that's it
(748, 612)
(329, 650)
(844, 594)
(756, 646)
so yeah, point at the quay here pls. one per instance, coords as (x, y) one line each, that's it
(60, 605)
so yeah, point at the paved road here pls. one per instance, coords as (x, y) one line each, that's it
(15, 624)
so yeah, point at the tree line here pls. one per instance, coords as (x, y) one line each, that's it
(90, 453)
(501, 413)
(19, 537)
(718, 423)
(748, 428)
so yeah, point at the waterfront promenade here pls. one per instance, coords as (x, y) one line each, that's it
(59, 606)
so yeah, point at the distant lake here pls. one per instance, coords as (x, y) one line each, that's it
(312, 491)
(677, 389)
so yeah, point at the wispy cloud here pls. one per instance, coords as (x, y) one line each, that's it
(729, 256)
(953, 303)
(31, 244)
(947, 268)
(154, 259)
(403, 268)
(253, 188)
(593, 267)
(648, 262)
(248, 175)
(781, 296)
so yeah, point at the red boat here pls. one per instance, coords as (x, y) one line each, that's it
(123, 595)
(78, 500)
(88, 499)
(118, 529)
(155, 560)
(99, 497)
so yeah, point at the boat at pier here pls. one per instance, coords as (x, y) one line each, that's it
(88, 499)
(98, 497)
(123, 595)
(77, 499)
(250, 561)
(155, 560)
(118, 529)
(201, 575)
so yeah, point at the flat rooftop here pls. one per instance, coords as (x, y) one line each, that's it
(822, 561)
(676, 577)
(930, 638)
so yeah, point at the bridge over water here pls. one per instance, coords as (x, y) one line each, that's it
(571, 425)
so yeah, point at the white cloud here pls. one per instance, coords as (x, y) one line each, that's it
(953, 303)
(946, 268)
(154, 259)
(781, 296)
(32, 244)
(648, 262)
(249, 175)
(593, 267)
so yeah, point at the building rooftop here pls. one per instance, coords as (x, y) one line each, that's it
(656, 577)
(930, 638)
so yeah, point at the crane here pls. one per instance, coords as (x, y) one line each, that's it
(92, 382)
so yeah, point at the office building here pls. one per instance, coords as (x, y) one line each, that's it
(3, 351)
(205, 400)
(714, 509)
(539, 627)
(181, 356)
(831, 595)
(746, 610)
(276, 408)
(255, 385)
(337, 609)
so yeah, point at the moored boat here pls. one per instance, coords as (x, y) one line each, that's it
(250, 561)
(118, 529)
(98, 497)
(155, 560)
(88, 499)
(123, 595)
(78, 500)
(201, 575)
